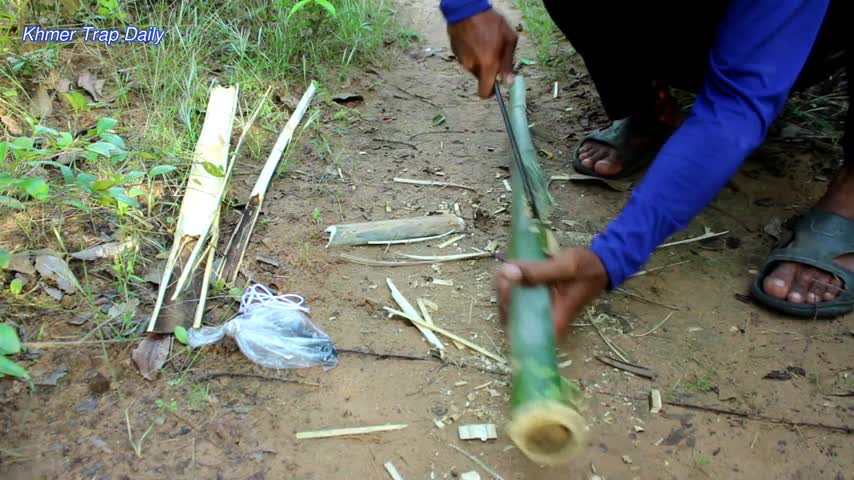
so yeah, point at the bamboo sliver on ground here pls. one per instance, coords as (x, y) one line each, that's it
(545, 424)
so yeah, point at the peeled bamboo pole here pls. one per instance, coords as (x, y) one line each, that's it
(545, 424)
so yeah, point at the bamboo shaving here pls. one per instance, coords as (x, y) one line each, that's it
(343, 432)
(422, 261)
(451, 241)
(411, 240)
(709, 234)
(410, 310)
(452, 336)
(432, 183)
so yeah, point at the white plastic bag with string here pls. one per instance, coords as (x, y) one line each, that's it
(273, 331)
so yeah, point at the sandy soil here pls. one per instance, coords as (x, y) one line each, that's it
(714, 349)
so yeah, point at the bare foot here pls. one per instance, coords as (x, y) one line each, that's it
(799, 283)
(606, 161)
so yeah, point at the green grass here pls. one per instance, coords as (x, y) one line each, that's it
(127, 177)
(544, 33)
(703, 383)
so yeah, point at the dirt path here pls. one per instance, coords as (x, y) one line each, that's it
(713, 350)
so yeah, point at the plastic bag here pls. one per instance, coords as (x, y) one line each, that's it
(273, 331)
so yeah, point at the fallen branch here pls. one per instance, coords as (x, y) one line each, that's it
(209, 375)
(343, 432)
(432, 183)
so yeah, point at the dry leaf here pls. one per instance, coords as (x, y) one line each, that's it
(89, 82)
(55, 268)
(105, 250)
(42, 103)
(63, 85)
(12, 125)
(774, 228)
(21, 263)
(150, 355)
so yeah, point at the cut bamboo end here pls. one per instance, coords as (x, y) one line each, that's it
(547, 431)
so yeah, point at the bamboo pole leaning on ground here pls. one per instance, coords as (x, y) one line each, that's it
(545, 423)
(198, 217)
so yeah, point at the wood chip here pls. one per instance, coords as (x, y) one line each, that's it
(654, 401)
(451, 241)
(392, 471)
(477, 431)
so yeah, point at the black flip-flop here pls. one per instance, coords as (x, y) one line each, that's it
(618, 135)
(819, 237)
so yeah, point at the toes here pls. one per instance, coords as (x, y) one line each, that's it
(801, 286)
(818, 287)
(779, 281)
(833, 290)
(609, 165)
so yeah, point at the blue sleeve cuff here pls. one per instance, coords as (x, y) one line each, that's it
(458, 10)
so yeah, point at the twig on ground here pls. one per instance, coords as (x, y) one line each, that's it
(432, 183)
(646, 300)
(627, 367)
(394, 142)
(610, 345)
(655, 327)
(208, 375)
(738, 413)
(709, 234)
(435, 132)
(655, 269)
(486, 468)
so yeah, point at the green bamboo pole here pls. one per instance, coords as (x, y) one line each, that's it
(545, 424)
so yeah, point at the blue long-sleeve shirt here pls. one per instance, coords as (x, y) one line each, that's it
(760, 48)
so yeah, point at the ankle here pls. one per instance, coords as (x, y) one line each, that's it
(839, 198)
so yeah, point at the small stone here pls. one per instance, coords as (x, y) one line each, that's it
(638, 428)
(470, 476)
(627, 459)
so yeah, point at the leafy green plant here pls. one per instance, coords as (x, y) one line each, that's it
(10, 344)
(99, 147)
(16, 286)
(182, 335)
(301, 4)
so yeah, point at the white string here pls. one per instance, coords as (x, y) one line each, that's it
(259, 294)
